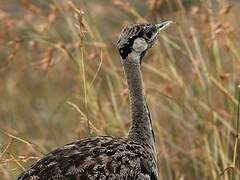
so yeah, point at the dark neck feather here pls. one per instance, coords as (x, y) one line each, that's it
(141, 125)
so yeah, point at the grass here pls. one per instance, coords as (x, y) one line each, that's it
(59, 82)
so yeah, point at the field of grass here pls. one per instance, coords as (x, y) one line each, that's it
(61, 79)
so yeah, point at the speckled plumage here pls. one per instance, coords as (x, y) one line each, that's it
(96, 158)
(110, 158)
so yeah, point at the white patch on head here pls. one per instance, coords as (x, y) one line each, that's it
(140, 45)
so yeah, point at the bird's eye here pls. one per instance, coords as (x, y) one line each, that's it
(160, 26)
(149, 34)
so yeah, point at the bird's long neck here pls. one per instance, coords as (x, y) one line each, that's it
(141, 122)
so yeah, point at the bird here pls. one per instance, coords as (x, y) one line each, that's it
(132, 157)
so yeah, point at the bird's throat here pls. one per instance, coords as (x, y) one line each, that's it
(141, 124)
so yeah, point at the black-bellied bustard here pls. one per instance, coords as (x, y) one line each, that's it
(112, 158)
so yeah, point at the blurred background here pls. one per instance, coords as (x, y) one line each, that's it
(61, 79)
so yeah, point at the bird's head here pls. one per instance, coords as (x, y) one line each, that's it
(138, 38)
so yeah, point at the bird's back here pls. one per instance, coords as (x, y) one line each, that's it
(96, 158)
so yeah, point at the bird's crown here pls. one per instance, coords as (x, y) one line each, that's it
(139, 37)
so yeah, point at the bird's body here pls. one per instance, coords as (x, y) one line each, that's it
(103, 158)
(98, 158)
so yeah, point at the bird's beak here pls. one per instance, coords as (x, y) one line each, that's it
(163, 25)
